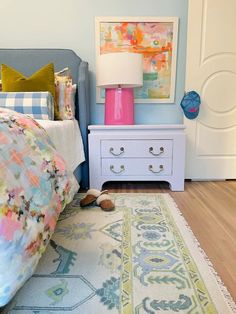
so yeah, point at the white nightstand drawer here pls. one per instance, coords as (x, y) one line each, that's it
(137, 153)
(136, 167)
(136, 148)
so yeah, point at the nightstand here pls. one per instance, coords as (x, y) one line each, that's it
(137, 153)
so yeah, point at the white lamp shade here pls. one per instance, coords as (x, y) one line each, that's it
(120, 69)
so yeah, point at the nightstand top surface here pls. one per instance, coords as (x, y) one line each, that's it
(137, 127)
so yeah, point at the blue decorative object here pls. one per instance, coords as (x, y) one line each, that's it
(190, 104)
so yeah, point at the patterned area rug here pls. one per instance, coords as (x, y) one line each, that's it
(141, 258)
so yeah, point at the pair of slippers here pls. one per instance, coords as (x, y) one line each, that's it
(101, 198)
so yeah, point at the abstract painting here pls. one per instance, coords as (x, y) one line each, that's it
(156, 39)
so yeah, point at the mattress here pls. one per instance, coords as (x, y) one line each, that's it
(67, 139)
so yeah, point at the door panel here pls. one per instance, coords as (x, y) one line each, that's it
(218, 25)
(206, 144)
(211, 71)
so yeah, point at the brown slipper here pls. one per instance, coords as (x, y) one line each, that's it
(91, 196)
(105, 202)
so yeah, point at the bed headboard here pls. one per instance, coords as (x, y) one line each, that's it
(28, 61)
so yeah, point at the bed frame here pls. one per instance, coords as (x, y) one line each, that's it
(28, 61)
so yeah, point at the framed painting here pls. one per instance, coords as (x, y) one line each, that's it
(156, 39)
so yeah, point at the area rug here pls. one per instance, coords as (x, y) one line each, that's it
(141, 258)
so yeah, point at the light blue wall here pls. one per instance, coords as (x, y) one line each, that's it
(70, 24)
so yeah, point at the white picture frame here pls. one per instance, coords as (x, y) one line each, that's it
(156, 38)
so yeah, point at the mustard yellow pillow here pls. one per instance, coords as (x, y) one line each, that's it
(40, 81)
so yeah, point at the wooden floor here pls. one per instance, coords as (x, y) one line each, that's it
(210, 210)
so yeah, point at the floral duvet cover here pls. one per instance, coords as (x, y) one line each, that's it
(34, 189)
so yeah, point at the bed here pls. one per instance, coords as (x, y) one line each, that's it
(29, 60)
(35, 181)
(68, 133)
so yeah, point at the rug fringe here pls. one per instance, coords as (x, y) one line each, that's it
(222, 286)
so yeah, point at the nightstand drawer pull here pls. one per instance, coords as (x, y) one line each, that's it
(122, 150)
(161, 168)
(156, 154)
(122, 168)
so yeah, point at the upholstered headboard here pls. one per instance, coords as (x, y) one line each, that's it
(28, 61)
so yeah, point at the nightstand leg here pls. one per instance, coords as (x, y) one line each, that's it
(177, 186)
(96, 183)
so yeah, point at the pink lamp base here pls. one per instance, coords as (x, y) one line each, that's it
(119, 106)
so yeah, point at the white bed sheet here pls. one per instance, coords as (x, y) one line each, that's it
(67, 139)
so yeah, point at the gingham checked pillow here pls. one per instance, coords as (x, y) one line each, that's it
(38, 105)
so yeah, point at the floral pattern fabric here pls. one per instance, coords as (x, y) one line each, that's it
(34, 188)
(65, 95)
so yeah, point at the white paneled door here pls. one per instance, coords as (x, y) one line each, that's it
(211, 71)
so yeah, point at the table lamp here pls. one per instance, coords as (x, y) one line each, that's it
(119, 73)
